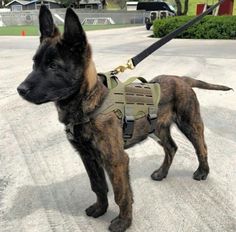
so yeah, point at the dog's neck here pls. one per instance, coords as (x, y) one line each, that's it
(90, 75)
(78, 108)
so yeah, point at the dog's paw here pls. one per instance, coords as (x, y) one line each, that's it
(119, 225)
(96, 210)
(159, 175)
(200, 174)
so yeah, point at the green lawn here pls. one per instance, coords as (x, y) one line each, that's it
(33, 30)
(193, 5)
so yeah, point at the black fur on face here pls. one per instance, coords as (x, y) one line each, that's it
(59, 62)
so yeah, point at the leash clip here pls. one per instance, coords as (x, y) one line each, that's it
(122, 68)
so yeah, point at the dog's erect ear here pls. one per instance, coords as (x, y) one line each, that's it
(45, 22)
(46, 25)
(73, 30)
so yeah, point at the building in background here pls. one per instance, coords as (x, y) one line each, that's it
(19, 5)
(225, 8)
(90, 4)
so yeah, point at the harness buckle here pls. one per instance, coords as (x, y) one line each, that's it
(152, 118)
(128, 127)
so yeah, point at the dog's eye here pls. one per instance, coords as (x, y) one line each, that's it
(52, 66)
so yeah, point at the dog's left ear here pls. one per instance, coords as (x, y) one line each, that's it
(73, 31)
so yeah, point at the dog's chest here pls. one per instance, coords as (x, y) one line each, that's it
(71, 114)
(78, 132)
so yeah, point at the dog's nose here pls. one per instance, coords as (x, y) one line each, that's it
(23, 89)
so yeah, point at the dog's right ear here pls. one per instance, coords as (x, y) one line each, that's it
(46, 25)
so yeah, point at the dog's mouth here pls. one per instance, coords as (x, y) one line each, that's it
(30, 99)
(36, 102)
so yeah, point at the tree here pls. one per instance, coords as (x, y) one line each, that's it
(3, 3)
(104, 3)
(120, 3)
(179, 7)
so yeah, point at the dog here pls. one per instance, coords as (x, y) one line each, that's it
(64, 73)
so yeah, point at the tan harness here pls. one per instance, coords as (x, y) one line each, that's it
(131, 101)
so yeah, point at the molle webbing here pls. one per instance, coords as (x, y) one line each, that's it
(130, 101)
(138, 94)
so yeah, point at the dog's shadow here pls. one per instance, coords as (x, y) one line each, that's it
(70, 197)
(74, 195)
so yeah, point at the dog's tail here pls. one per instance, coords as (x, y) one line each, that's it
(204, 85)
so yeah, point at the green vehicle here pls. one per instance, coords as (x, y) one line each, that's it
(156, 10)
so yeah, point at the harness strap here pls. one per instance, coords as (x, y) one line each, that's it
(152, 118)
(132, 79)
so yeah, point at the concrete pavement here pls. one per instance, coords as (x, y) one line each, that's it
(43, 184)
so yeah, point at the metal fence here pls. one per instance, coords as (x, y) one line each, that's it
(31, 17)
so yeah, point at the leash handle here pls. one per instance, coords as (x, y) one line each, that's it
(148, 51)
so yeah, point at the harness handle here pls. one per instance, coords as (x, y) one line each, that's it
(132, 79)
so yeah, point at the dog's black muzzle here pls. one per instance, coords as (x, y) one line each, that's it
(38, 91)
(23, 89)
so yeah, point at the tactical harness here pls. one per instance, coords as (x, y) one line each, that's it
(131, 101)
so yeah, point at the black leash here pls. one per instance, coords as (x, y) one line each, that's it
(148, 51)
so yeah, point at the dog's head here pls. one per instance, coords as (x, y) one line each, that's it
(61, 64)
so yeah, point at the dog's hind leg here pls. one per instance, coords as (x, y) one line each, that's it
(93, 166)
(189, 121)
(194, 131)
(170, 148)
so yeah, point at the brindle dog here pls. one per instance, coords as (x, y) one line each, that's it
(64, 73)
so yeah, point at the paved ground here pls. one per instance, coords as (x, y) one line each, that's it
(43, 185)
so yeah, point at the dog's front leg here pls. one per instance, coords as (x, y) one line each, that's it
(91, 159)
(119, 175)
(116, 161)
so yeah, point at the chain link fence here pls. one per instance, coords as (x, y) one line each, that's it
(31, 17)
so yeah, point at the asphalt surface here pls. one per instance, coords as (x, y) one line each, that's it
(43, 184)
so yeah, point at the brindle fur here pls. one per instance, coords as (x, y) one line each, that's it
(65, 74)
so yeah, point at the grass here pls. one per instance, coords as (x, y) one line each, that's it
(33, 30)
(193, 5)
